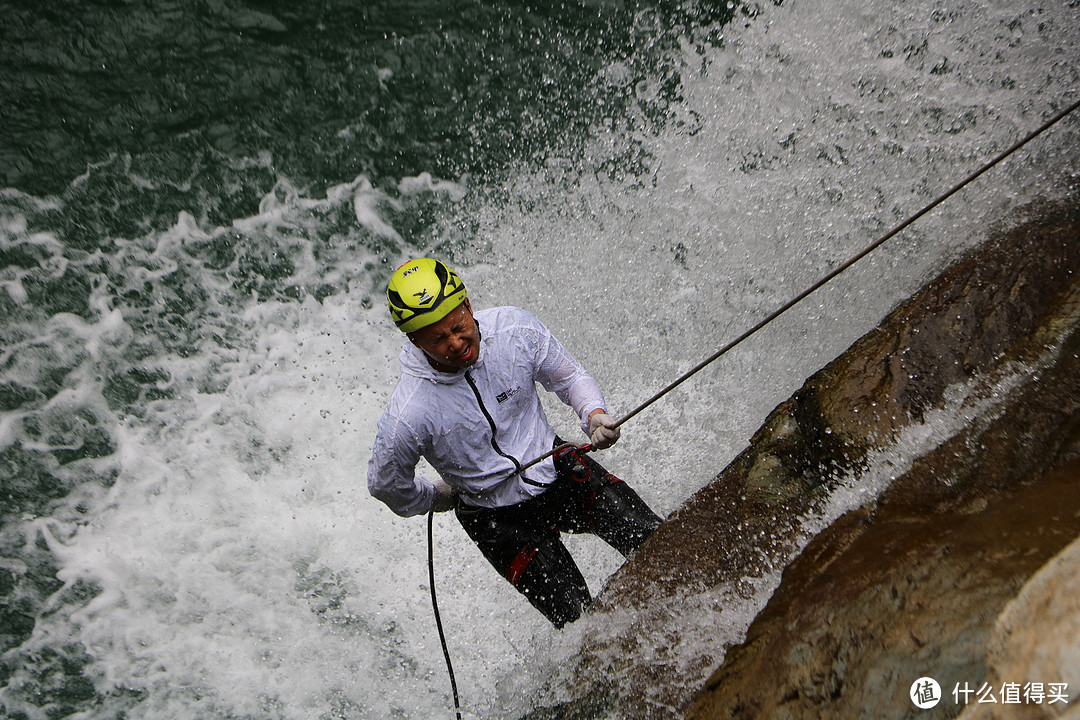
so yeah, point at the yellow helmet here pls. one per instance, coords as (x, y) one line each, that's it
(422, 292)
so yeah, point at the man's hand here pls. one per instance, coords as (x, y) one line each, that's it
(602, 430)
(445, 498)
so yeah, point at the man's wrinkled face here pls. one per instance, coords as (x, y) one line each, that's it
(451, 344)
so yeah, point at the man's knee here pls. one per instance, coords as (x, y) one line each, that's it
(548, 577)
(628, 521)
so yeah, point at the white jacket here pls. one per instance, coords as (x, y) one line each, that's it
(478, 425)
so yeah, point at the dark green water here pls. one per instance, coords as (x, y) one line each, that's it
(184, 92)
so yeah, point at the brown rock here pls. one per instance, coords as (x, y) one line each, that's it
(885, 597)
(1036, 646)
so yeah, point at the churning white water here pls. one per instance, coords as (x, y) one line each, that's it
(233, 565)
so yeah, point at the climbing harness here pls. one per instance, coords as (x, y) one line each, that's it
(732, 344)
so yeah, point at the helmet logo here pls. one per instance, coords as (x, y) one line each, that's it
(425, 296)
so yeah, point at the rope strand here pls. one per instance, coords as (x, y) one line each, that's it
(435, 607)
(869, 249)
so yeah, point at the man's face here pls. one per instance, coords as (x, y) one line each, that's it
(452, 343)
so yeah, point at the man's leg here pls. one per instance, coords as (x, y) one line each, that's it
(531, 556)
(608, 507)
(552, 581)
(623, 519)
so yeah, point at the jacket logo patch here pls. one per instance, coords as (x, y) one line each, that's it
(504, 396)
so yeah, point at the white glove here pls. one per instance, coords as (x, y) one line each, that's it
(602, 431)
(444, 496)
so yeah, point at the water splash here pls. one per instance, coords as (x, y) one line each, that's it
(194, 353)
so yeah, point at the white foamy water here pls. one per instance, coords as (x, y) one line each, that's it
(234, 566)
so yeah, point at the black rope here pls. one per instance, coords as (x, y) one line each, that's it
(435, 607)
(869, 249)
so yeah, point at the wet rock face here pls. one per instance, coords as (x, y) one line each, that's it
(888, 596)
(1023, 653)
(909, 584)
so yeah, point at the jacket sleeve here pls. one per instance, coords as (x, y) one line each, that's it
(392, 470)
(560, 373)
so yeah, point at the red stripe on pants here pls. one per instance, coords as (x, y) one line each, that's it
(517, 567)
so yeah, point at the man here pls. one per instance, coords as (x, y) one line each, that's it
(467, 402)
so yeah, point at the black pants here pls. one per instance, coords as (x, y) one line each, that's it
(522, 541)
